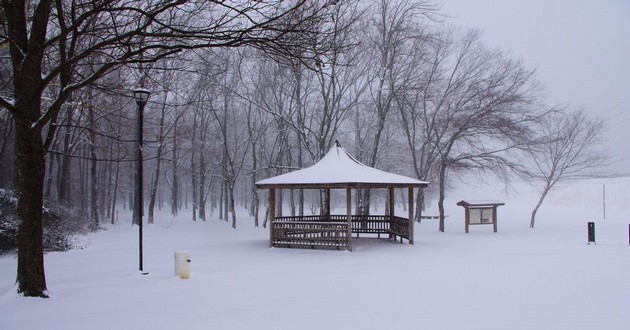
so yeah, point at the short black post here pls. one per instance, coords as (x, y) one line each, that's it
(591, 233)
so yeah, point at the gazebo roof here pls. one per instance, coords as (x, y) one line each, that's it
(338, 169)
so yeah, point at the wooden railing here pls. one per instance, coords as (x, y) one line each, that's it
(332, 230)
(310, 233)
(399, 227)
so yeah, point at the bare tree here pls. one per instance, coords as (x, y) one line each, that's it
(568, 149)
(473, 108)
(54, 43)
(394, 29)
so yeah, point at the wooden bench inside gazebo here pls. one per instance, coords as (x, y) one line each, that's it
(338, 170)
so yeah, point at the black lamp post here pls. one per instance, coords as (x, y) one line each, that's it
(141, 95)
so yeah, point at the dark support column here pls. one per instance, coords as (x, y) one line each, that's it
(391, 202)
(410, 208)
(272, 214)
(466, 218)
(349, 214)
(494, 218)
(327, 203)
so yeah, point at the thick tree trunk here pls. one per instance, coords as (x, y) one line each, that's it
(31, 166)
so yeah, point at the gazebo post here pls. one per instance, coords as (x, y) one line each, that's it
(410, 207)
(390, 204)
(272, 214)
(494, 218)
(467, 219)
(391, 201)
(327, 203)
(349, 214)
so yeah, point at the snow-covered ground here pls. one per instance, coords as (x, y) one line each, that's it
(518, 278)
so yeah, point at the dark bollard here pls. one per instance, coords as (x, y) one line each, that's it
(591, 233)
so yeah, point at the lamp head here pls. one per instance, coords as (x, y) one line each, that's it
(141, 95)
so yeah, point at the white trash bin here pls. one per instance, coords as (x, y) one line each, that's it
(182, 264)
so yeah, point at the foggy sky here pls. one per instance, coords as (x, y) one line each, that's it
(580, 49)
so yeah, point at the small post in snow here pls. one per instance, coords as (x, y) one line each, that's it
(604, 199)
(591, 233)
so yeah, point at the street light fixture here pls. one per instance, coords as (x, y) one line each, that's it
(141, 96)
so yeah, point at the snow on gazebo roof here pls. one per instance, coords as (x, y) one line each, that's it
(338, 169)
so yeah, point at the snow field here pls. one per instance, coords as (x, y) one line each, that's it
(517, 278)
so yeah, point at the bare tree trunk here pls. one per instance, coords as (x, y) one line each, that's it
(94, 211)
(8, 154)
(227, 193)
(52, 159)
(175, 181)
(115, 194)
(442, 188)
(109, 168)
(540, 201)
(153, 192)
(83, 181)
(255, 206)
(202, 182)
(232, 206)
(279, 202)
(419, 205)
(31, 166)
(297, 69)
(226, 202)
(292, 202)
(221, 197)
(63, 176)
(158, 159)
(193, 171)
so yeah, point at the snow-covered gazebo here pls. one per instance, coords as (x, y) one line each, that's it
(338, 170)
